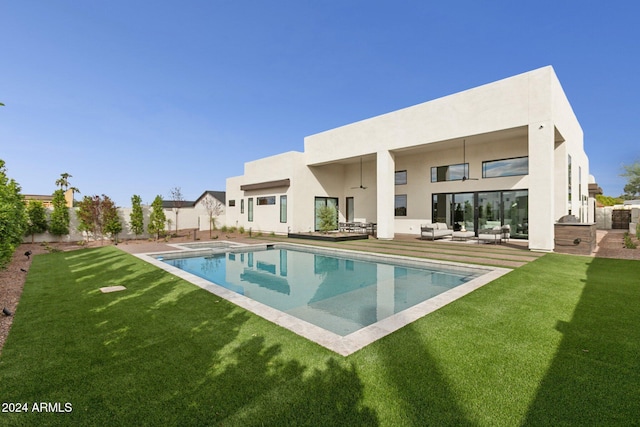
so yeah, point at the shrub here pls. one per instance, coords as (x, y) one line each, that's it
(224, 229)
(327, 215)
(241, 230)
(628, 243)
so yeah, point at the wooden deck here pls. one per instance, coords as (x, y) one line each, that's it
(512, 254)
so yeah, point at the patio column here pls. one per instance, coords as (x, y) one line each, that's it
(385, 170)
(542, 170)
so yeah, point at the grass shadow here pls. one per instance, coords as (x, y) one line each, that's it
(594, 376)
(421, 390)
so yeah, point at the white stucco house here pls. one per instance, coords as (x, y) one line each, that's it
(508, 152)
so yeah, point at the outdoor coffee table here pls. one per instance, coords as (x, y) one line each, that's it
(462, 235)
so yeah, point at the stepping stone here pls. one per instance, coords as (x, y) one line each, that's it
(108, 289)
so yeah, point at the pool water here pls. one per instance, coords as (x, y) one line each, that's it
(334, 292)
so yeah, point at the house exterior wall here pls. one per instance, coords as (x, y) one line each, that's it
(527, 115)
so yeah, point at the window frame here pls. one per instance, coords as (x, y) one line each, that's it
(396, 207)
(283, 209)
(486, 162)
(265, 200)
(465, 172)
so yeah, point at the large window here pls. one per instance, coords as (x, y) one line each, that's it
(270, 200)
(283, 208)
(401, 177)
(241, 206)
(450, 172)
(505, 167)
(401, 205)
(250, 209)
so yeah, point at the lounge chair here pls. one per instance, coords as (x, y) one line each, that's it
(493, 235)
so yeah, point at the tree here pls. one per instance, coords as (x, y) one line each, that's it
(97, 216)
(157, 218)
(110, 219)
(63, 183)
(214, 208)
(88, 214)
(632, 173)
(608, 200)
(36, 218)
(137, 216)
(177, 200)
(59, 222)
(13, 218)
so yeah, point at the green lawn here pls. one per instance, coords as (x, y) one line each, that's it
(556, 342)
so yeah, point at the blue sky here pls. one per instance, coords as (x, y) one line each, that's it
(138, 97)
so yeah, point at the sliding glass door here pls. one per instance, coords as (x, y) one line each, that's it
(486, 209)
(456, 210)
(516, 212)
(463, 212)
(350, 209)
(489, 211)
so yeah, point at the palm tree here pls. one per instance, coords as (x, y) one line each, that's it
(63, 181)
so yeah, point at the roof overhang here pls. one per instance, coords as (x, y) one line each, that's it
(267, 184)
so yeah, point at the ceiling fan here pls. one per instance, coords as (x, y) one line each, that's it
(361, 186)
(464, 163)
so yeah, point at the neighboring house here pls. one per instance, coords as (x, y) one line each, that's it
(509, 152)
(47, 201)
(194, 214)
(216, 198)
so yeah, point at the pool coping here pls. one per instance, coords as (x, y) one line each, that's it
(343, 345)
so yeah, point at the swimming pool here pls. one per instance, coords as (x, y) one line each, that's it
(341, 298)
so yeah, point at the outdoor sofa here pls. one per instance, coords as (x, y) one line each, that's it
(434, 231)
